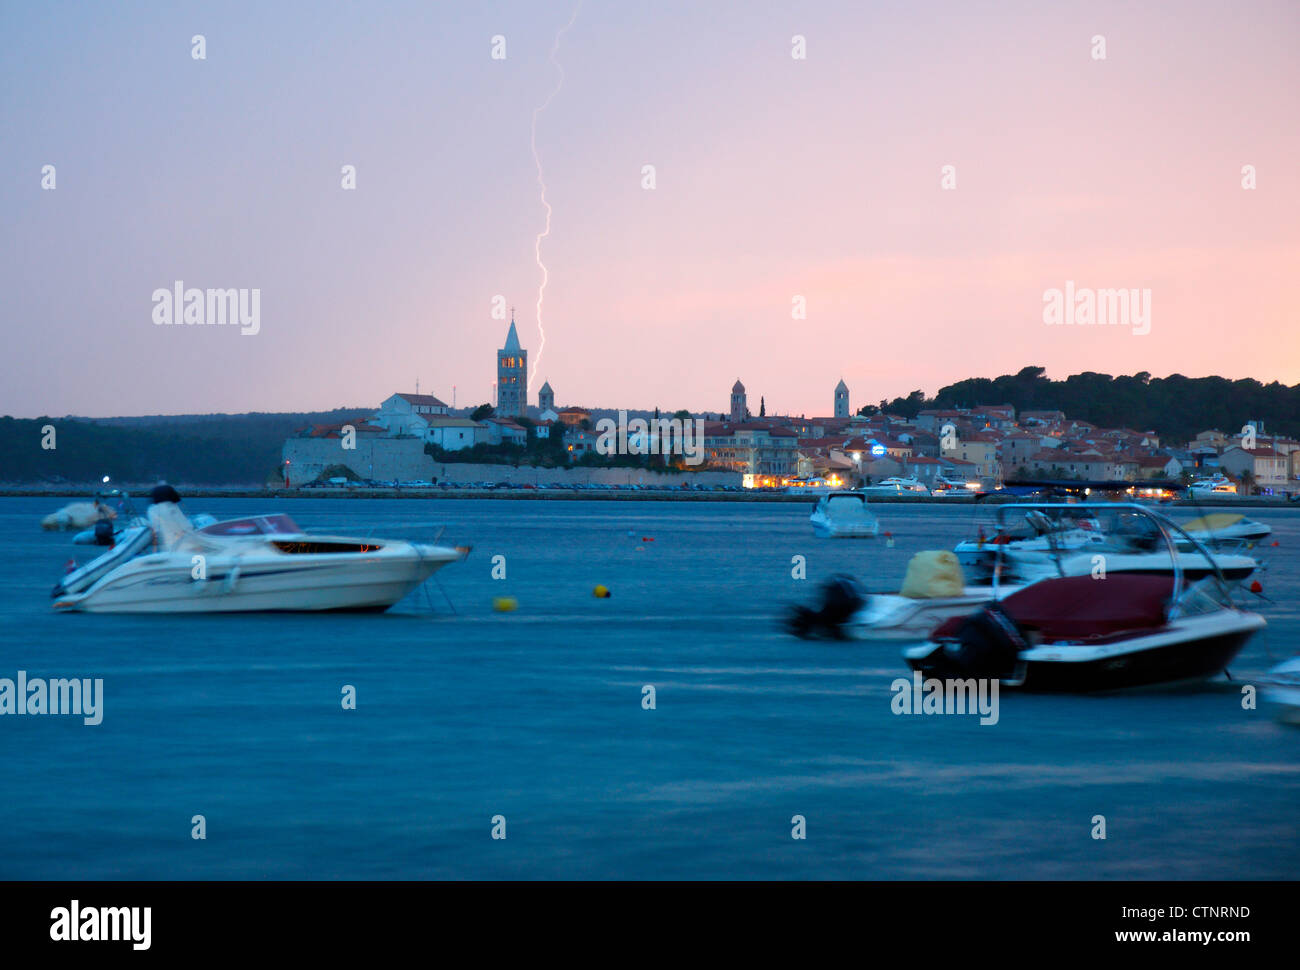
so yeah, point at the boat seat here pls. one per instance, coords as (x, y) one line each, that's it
(1083, 608)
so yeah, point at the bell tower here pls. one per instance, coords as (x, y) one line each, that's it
(512, 375)
(739, 411)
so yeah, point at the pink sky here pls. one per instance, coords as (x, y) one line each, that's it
(775, 178)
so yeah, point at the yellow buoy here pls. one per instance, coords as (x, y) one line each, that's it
(505, 604)
(601, 592)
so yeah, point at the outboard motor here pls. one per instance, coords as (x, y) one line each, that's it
(841, 598)
(104, 532)
(988, 645)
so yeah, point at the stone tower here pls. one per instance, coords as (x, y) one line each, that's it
(546, 398)
(512, 376)
(738, 409)
(841, 400)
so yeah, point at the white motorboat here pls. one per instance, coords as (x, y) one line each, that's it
(1227, 530)
(844, 515)
(932, 593)
(893, 617)
(952, 488)
(260, 563)
(895, 486)
(1080, 633)
(1034, 542)
(77, 515)
(1282, 690)
(1219, 486)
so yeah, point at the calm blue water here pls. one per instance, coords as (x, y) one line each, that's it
(536, 715)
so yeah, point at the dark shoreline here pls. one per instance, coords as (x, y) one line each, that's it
(598, 495)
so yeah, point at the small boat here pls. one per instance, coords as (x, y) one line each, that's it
(1226, 530)
(1080, 633)
(1219, 486)
(259, 563)
(951, 488)
(932, 593)
(1282, 690)
(77, 515)
(1032, 542)
(895, 486)
(844, 515)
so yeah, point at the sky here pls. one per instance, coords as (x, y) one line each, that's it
(779, 182)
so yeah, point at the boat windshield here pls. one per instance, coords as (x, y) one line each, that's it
(847, 507)
(843, 502)
(1204, 596)
(255, 525)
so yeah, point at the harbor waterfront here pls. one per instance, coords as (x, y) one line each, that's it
(465, 713)
(590, 494)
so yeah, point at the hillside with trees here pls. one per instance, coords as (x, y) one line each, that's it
(1175, 407)
(206, 449)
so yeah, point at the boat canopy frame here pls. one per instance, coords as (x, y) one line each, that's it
(1163, 524)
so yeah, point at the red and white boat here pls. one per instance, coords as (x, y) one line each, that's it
(1103, 631)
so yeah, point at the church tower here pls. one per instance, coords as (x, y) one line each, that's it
(512, 376)
(841, 400)
(738, 409)
(546, 398)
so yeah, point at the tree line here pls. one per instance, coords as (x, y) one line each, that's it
(1177, 408)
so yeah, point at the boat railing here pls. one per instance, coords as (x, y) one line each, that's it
(1165, 526)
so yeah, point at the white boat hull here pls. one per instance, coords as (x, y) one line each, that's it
(844, 530)
(1282, 691)
(165, 583)
(891, 618)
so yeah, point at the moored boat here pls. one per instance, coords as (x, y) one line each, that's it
(1225, 530)
(259, 563)
(1098, 632)
(895, 486)
(844, 515)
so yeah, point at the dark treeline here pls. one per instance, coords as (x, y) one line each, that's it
(218, 449)
(1176, 407)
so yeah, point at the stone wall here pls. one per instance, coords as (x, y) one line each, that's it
(384, 459)
(573, 475)
(404, 460)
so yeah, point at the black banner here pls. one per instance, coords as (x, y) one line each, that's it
(332, 920)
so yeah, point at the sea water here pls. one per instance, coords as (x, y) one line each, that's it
(534, 724)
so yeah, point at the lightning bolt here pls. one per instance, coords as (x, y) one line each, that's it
(541, 182)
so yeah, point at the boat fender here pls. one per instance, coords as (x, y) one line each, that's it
(988, 644)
